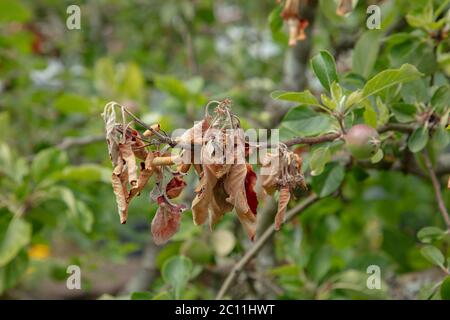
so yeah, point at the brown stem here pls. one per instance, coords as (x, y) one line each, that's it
(239, 266)
(312, 140)
(437, 189)
(70, 142)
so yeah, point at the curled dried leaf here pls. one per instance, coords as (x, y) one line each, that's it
(166, 221)
(234, 185)
(127, 155)
(175, 187)
(204, 195)
(119, 181)
(250, 182)
(283, 201)
(144, 175)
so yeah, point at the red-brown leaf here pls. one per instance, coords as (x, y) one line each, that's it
(250, 182)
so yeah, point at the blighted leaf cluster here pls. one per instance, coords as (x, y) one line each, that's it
(226, 179)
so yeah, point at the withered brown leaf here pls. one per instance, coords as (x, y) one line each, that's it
(283, 201)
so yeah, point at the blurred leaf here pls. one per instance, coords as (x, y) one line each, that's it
(383, 113)
(223, 242)
(84, 173)
(132, 81)
(404, 112)
(17, 236)
(418, 139)
(275, 20)
(173, 86)
(46, 162)
(71, 103)
(429, 234)
(441, 137)
(365, 52)
(11, 273)
(369, 115)
(434, 255)
(319, 159)
(320, 263)
(441, 99)
(141, 296)
(13, 11)
(176, 271)
(329, 180)
(378, 156)
(324, 67)
(445, 289)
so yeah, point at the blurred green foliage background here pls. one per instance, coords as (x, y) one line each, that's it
(164, 60)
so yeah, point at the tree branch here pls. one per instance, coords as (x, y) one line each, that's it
(312, 140)
(437, 189)
(239, 266)
(70, 142)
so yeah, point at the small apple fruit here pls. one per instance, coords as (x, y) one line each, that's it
(362, 141)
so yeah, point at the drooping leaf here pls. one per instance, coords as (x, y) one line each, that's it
(319, 159)
(445, 289)
(283, 201)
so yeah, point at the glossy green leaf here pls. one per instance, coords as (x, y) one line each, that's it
(324, 68)
(441, 99)
(388, 78)
(46, 162)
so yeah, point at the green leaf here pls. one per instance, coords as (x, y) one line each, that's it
(378, 156)
(302, 121)
(369, 115)
(13, 11)
(132, 82)
(176, 272)
(84, 173)
(404, 112)
(388, 78)
(68, 103)
(305, 97)
(275, 20)
(429, 234)
(441, 99)
(17, 236)
(434, 255)
(46, 162)
(445, 289)
(319, 159)
(329, 180)
(441, 137)
(11, 273)
(418, 139)
(324, 67)
(320, 263)
(366, 52)
(172, 86)
(141, 296)
(78, 212)
(383, 113)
